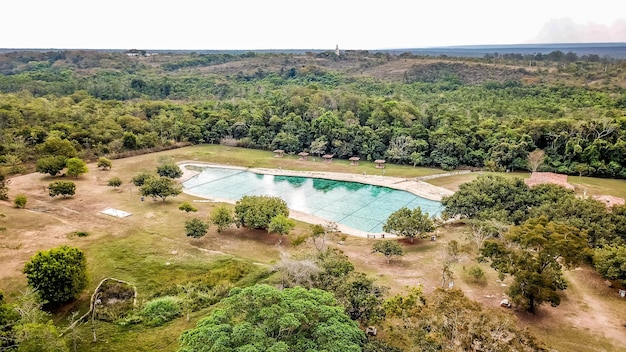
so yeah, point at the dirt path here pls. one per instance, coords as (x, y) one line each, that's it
(588, 311)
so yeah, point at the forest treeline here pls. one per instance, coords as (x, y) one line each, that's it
(438, 112)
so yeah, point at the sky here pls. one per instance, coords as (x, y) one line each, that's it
(318, 24)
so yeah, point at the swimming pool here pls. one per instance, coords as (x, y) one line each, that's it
(357, 205)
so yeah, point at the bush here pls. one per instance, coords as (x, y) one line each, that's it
(196, 228)
(186, 207)
(114, 182)
(477, 274)
(78, 234)
(59, 274)
(104, 163)
(258, 211)
(161, 310)
(64, 188)
(20, 201)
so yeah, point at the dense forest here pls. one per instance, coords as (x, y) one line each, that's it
(442, 112)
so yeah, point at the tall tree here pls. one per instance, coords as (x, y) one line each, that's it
(262, 318)
(534, 253)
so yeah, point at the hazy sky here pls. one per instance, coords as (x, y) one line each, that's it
(318, 24)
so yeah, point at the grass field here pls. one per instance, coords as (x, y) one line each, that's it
(150, 250)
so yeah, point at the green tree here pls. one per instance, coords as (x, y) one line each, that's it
(75, 167)
(170, 170)
(281, 225)
(258, 211)
(409, 223)
(51, 165)
(104, 163)
(490, 197)
(196, 228)
(533, 253)
(222, 217)
(35, 337)
(610, 262)
(186, 207)
(388, 249)
(61, 188)
(114, 182)
(141, 178)
(20, 201)
(161, 187)
(58, 147)
(58, 274)
(262, 318)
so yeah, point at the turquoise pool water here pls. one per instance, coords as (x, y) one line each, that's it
(357, 205)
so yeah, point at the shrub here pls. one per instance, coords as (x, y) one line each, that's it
(20, 201)
(476, 273)
(196, 228)
(114, 182)
(59, 274)
(161, 310)
(64, 188)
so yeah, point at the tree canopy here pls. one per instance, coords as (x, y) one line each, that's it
(409, 223)
(534, 253)
(257, 212)
(262, 318)
(58, 274)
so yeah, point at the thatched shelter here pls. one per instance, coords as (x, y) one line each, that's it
(303, 155)
(328, 157)
(279, 153)
(354, 160)
(380, 163)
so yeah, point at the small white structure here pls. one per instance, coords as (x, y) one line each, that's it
(116, 212)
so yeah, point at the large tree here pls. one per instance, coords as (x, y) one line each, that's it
(58, 274)
(258, 211)
(161, 187)
(51, 165)
(409, 223)
(533, 254)
(263, 318)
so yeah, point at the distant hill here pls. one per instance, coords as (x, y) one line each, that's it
(614, 50)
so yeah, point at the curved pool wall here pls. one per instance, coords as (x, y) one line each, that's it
(360, 206)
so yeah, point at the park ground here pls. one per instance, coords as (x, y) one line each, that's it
(150, 247)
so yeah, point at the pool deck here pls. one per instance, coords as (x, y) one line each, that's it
(419, 188)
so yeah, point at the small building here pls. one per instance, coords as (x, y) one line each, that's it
(328, 157)
(279, 153)
(354, 161)
(380, 163)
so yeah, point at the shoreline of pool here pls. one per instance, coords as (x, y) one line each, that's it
(418, 188)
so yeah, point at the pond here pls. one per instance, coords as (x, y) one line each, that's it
(357, 205)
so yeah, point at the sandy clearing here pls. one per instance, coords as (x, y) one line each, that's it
(419, 188)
